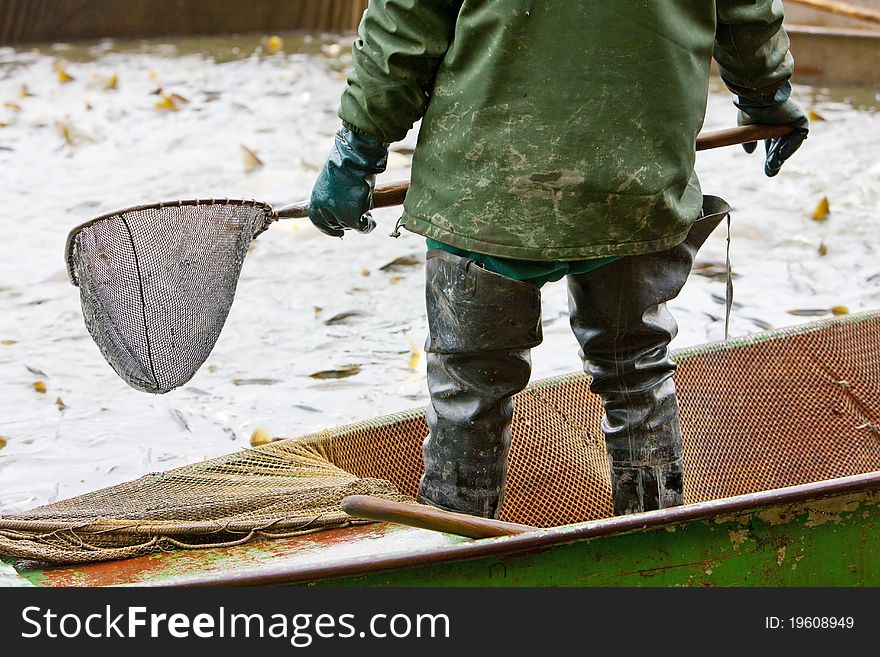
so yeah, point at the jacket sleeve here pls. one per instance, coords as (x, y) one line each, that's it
(400, 46)
(752, 48)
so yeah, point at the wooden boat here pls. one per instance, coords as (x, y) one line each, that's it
(829, 48)
(782, 465)
(821, 534)
(835, 47)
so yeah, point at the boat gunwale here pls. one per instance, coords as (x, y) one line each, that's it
(819, 30)
(540, 539)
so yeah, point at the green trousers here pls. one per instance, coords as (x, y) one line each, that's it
(536, 272)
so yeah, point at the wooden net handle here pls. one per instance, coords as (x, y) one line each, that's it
(426, 517)
(394, 193)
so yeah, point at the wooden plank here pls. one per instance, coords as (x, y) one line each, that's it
(40, 21)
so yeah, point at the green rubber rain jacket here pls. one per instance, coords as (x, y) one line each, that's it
(556, 129)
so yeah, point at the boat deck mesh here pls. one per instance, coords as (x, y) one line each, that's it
(776, 409)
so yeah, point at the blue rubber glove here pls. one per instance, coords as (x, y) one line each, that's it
(779, 110)
(343, 193)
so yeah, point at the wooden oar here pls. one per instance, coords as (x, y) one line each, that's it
(427, 517)
(392, 194)
(842, 9)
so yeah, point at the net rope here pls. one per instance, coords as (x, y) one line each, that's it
(776, 409)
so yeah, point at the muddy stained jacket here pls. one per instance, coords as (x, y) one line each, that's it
(556, 129)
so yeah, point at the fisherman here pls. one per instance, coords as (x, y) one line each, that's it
(557, 140)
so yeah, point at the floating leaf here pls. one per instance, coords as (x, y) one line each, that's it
(274, 44)
(37, 372)
(318, 310)
(343, 318)
(40, 387)
(89, 106)
(415, 355)
(823, 250)
(60, 403)
(840, 310)
(179, 417)
(153, 74)
(66, 132)
(396, 278)
(255, 382)
(24, 92)
(760, 323)
(809, 312)
(177, 98)
(261, 436)
(112, 83)
(400, 263)
(716, 271)
(167, 103)
(63, 76)
(250, 159)
(8, 342)
(365, 272)
(822, 210)
(2, 442)
(15, 107)
(341, 373)
(815, 116)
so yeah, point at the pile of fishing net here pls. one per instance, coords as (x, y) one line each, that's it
(775, 409)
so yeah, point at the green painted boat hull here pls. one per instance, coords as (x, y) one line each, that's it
(820, 534)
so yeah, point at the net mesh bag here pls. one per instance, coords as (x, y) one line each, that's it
(156, 283)
(782, 408)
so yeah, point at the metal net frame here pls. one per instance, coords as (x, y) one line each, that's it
(781, 408)
(157, 282)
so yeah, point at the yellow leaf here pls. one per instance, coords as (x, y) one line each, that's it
(342, 373)
(415, 355)
(823, 250)
(8, 342)
(15, 107)
(365, 272)
(250, 159)
(261, 436)
(112, 82)
(2, 442)
(274, 44)
(40, 387)
(66, 132)
(63, 76)
(166, 103)
(153, 74)
(822, 210)
(24, 92)
(840, 310)
(60, 404)
(814, 116)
